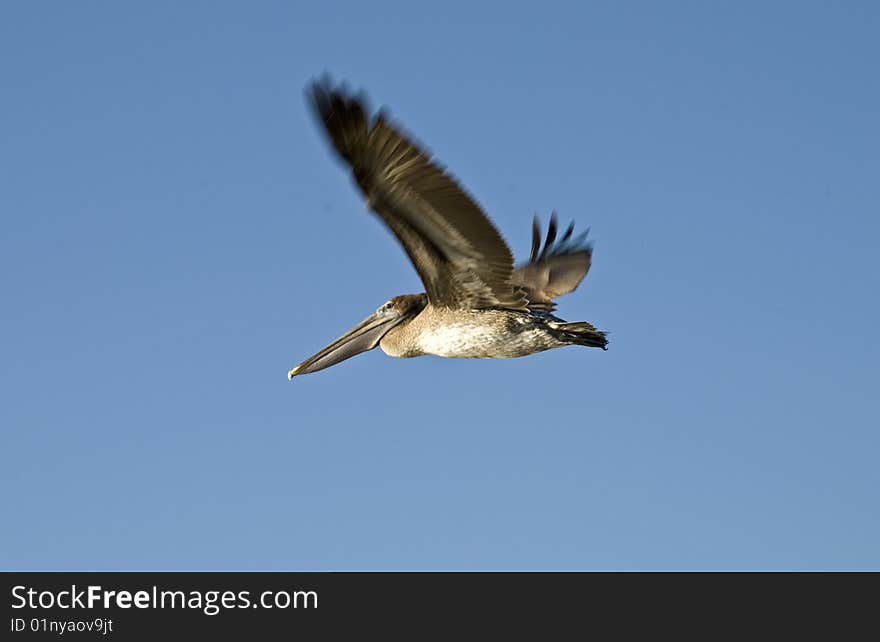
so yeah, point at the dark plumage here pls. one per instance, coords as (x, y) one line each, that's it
(557, 269)
(458, 253)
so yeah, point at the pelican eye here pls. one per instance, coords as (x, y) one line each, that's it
(385, 309)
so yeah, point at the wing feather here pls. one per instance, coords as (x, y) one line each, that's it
(459, 255)
(556, 269)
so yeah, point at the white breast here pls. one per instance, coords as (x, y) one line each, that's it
(459, 340)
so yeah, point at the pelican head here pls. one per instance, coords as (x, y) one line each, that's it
(365, 335)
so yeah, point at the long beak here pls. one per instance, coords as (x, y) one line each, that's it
(364, 336)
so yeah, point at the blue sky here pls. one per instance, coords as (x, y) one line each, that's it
(176, 236)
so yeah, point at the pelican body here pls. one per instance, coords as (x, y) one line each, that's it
(476, 305)
(474, 334)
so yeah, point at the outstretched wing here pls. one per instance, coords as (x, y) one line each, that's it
(556, 269)
(459, 255)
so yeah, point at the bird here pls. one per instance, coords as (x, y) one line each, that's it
(476, 304)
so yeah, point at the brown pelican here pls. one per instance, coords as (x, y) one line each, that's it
(475, 304)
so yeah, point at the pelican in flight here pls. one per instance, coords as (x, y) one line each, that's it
(475, 304)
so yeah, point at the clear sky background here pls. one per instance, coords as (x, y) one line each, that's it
(176, 235)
